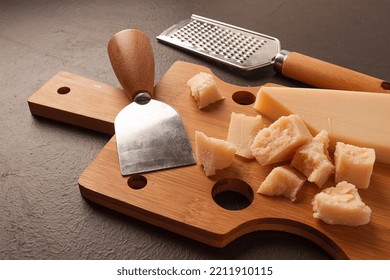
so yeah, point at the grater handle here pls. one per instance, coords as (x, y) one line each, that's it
(325, 75)
(131, 57)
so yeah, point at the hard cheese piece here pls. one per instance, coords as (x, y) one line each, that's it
(280, 140)
(341, 205)
(313, 160)
(242, 132)
(204, 89)
(357, 118)
(213, 153)
(282, 181)
(354, 164)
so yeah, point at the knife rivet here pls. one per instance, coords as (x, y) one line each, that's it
(142, 98)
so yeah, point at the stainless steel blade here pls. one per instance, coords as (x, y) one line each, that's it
(150, 136)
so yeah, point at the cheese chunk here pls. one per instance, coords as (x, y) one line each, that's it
(313, 160)
(354, 164)
(242, 132)
(213, 153)
(280, 140)
(357, 118)
(204, 89)
(282, 181)
(341, 205)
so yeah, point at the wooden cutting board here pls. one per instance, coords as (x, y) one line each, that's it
(183, 200)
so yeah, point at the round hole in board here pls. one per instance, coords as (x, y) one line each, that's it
(63, 90)
(232, 194)
(244, 97)
(137, 182)
(385, 85)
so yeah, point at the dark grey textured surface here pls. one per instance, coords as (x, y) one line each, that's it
(42, 215)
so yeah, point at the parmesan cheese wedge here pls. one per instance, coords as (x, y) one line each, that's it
(280, 140)
(204, 89)
(242, 132)
(341, 205)
(354, 164)
(313, 159)
(213, 153)
(357, 118)
(282, 181)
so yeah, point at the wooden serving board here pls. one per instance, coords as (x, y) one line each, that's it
(182, 199)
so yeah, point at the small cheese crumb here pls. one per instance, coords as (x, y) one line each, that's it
(354, 164)
(313, 159)
(341, 205)
(242, 132)
(282, 181)
(280, 140)
(204, 89)
(213, 153)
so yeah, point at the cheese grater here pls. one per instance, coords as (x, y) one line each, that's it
(222, 42)
(247, 50)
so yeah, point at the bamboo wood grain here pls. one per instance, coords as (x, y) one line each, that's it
(326, 75)
(88, 104)
(181, 199)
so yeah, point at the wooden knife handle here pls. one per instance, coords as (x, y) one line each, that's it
(131, 57)
(325, 75)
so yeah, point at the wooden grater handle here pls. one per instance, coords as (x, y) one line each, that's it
(325, 75)
(131, 57)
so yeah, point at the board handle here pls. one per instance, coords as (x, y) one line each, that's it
(131, 57)
(326, 75)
